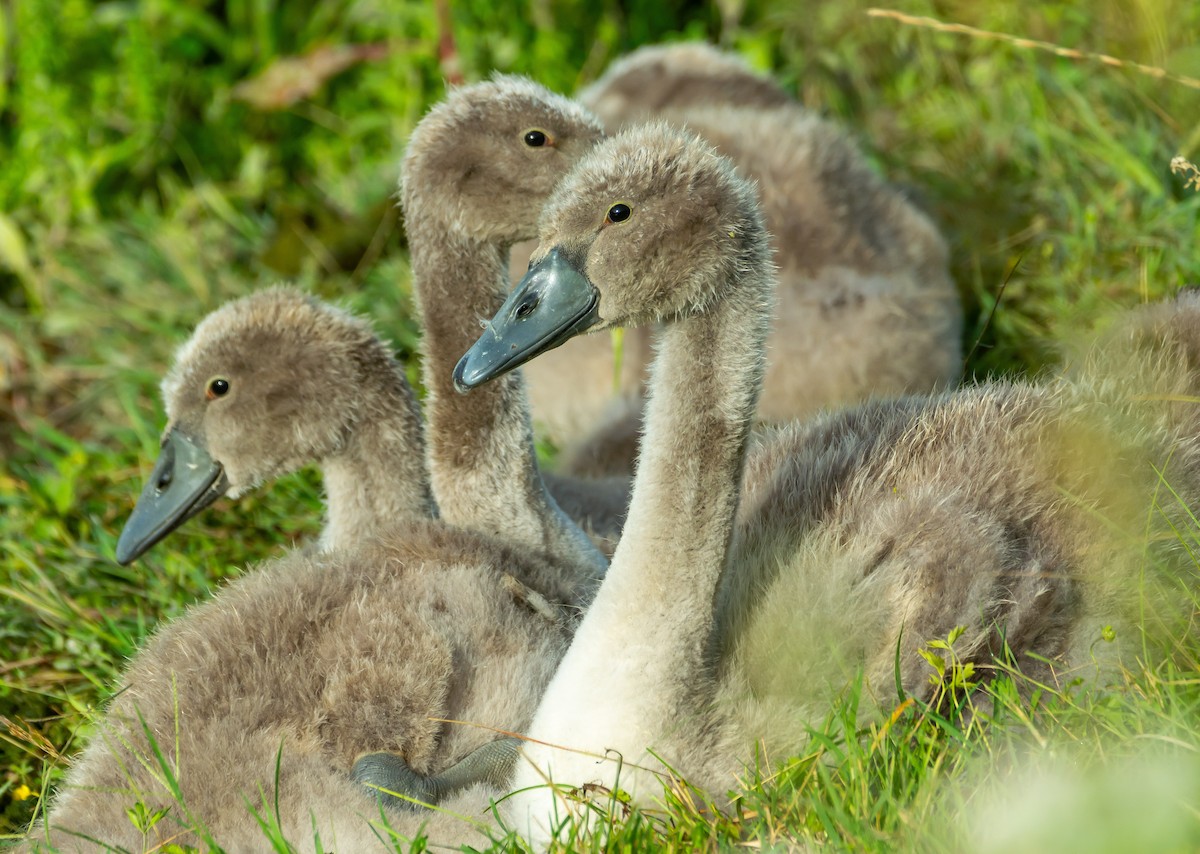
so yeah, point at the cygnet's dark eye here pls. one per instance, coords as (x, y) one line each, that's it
(527, 306)
(217, 387)
(535, 138)
(618, 213)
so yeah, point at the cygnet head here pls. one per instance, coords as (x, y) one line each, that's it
(651, 226)
(265, 385)
(484, 160)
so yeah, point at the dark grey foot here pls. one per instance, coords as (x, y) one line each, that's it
(402, 788)
(390, 777)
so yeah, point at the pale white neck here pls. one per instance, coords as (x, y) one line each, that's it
(637, 676)
(657, 600)
(481, 448)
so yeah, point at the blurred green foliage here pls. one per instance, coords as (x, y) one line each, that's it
(153, 164)
(109, 106)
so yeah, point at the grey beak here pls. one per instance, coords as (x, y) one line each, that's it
(184, 481)
(554, 302)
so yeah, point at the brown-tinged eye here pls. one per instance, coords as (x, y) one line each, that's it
(617, 213)
(536, 138)
(217, 387)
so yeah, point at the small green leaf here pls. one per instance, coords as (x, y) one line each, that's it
(935, 661)
(13, 254)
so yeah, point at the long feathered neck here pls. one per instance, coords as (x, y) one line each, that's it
(379, 478)
(481, 451)
(637, 675)
(656, 605)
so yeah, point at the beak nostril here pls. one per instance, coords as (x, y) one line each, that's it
(164, 480)
(526, 308)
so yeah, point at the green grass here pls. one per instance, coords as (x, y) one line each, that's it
(139, 191)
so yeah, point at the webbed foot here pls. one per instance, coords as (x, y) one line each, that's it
(403, 788)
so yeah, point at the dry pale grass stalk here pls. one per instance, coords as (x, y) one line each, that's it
(1180, 165)
(1033, 44)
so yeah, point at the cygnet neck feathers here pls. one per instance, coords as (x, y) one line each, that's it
(477, 171)
(664, 231)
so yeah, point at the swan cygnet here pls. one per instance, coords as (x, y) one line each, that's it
(484, 665)
(399, 623)
(277, 380)
(652, 226)
(267, 384)
(476, 172)
(865, 303)
(260, 699)
(861, 534)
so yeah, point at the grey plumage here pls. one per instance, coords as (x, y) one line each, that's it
(1016, 510)
(693, 254)
(308, 383)
(679, 76)
(314, 659)
(865, 303)
(313, 384)
(481, 452)
(1036, 513)
(309, 661)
